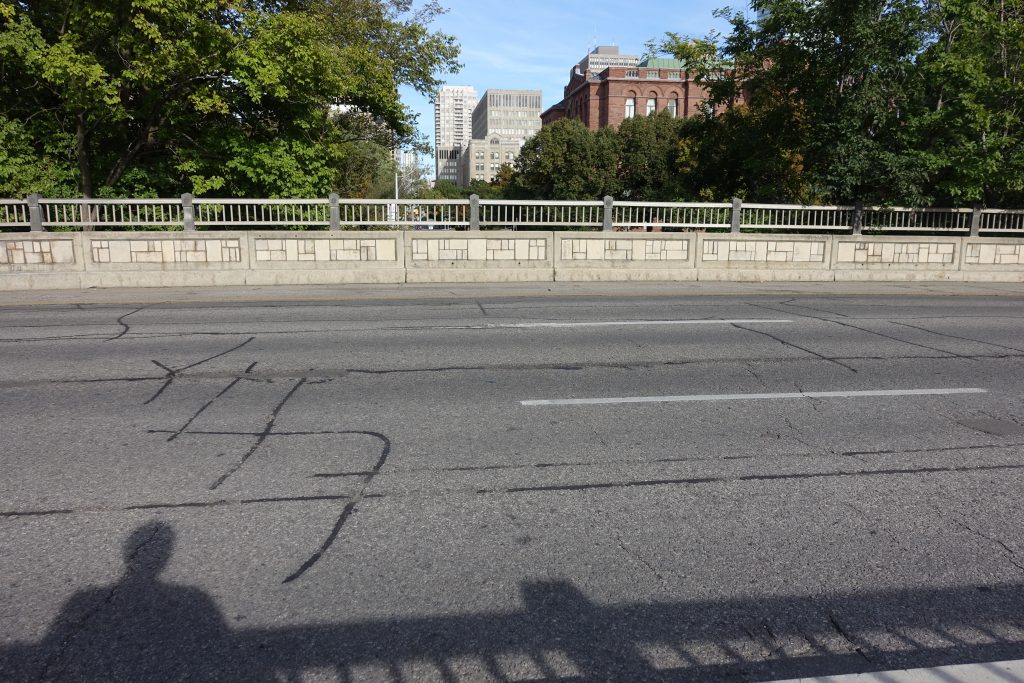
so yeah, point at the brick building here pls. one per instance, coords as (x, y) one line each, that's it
(606, 88)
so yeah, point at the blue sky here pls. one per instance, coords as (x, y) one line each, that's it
(533, 44)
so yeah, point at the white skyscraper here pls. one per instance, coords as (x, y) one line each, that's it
(453, 128)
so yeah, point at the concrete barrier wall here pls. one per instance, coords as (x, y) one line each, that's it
(492, 256)
(157, 259)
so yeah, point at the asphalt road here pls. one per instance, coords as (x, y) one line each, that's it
(522, 483)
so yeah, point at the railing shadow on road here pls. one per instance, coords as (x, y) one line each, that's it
(145, 629)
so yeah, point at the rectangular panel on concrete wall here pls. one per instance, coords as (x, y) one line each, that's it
(41, 252)
(644, 257)
(499, 256)
(897, 258)
(989, 254)
(164, 259)
(324, 257)
(624, 249)
(164, 251)
(763, 251)
(764, 258)
(325, 249)
(50, 261)
(926, 253)
(993, 260)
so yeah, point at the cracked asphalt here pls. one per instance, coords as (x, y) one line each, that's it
(343, 483)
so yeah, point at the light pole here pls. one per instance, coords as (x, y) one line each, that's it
(393, 208)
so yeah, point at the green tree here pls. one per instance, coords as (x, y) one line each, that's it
(847, 73)
(971, 117)
(649, 158)
(217, 97)
(567, 161)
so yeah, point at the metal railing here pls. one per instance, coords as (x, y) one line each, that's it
(916, 220)
(998, 220)
(796, 217)
(188, 213)
(226, 213)
(114, 213)
(662, 215)
(496, 213)
(14, 213)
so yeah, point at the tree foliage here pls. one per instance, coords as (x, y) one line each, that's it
(228, 97)
(832, 101)
(912, 101)
(567, 161)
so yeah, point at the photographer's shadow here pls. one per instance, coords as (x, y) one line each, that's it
(141, 628)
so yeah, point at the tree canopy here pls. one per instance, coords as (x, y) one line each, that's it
(218, 97)
(915, 102)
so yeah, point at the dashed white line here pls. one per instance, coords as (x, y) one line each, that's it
(625, 323)
(751, 397)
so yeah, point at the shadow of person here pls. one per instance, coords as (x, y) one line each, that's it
(141, 628)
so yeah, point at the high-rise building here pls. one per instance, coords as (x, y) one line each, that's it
(512, 114)
(502, 121)
(405, 159)
(604, 56)
(453, 128)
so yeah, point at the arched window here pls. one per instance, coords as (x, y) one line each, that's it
(672, 106)
(652, 105)
(630, 107)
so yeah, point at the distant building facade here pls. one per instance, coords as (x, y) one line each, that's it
(453, 128)
(514, 114)
(484, 158)
(502, 121)
(405, 159)
(606, 88)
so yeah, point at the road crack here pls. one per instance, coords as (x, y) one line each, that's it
(174, 373)
(796, 346)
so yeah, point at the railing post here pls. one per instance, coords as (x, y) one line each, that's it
(737, 214)
(35, 213)
(188, 213)
(608, 219)
(976, 221)
(335, 211)
(857, 223)
(474, 212)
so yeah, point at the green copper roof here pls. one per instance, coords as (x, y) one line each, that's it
(662, 63)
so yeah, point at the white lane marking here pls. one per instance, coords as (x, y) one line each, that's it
(750, 397)
(612, 324)
(992, 672)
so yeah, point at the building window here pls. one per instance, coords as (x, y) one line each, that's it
(632, 73)
(652, 105)
(479, 167)
(479, 155)
(495, 155)
(630, 107)
(672, 108)
(509, 155)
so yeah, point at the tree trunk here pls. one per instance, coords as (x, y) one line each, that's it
(84, 169)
